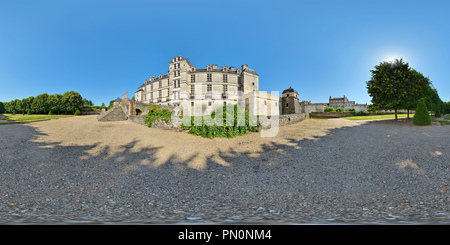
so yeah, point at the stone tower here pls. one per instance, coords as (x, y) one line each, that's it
(290, 102)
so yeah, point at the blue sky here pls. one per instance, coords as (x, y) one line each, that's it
(104, 48)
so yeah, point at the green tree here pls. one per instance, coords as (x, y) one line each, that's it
(2, 107)
(111, 104)
(18, 108)
(416, 87)
(72, 101)
(432, 100)
(389, 85)
(87, 102)
(27, 105)
(40, 104)
(55, 103)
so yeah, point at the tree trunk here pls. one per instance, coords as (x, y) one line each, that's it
(395, 113)
(408, 114)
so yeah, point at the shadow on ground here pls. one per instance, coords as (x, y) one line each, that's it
(383, 170)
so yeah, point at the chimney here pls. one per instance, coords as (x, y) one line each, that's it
(244, 66)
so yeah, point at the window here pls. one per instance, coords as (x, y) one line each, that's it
(176, 83)
(160, 84)
(193, 78)
(151, 95)
(225, 78)
(168, 83)
(240, 80)
(160, 93)
(287, 105)
(209, 87)
(225, 89)
(209, 78)
(192, 89)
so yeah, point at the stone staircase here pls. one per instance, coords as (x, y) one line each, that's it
(114, 114)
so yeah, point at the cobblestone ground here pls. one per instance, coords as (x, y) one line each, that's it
(79, 170)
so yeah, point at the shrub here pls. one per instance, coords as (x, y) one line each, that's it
(421, 116)
(77, 113)
(212, 127)
(28, 112)
(50, 113)
(152, 107)
(362, 113)
(329, 109)
(340, 109)
(352, 110)
(438, 113)
(155, 113)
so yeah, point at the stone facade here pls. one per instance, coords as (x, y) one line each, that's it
(205, 89)
(346, 104)
(290, 102)
(308, 107)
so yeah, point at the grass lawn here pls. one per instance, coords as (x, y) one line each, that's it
(447, 117)
(371, 117)
(317, 118)
(19, 118)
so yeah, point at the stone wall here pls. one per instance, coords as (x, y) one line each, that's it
(286, 119)
(330, 115)
(137, 119)
(114, 114)
(170, 125)
(265, 121)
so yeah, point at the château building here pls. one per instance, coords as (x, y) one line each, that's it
(207, 87)
(346, 104)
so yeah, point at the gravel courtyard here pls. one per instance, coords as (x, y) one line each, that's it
(80, 170)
